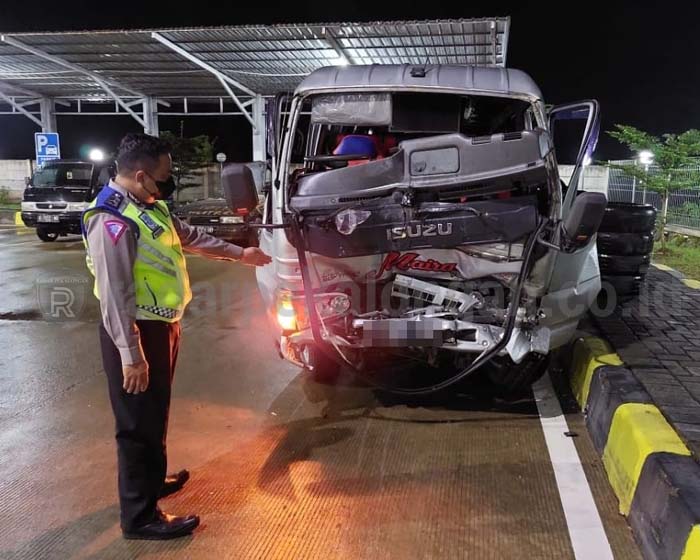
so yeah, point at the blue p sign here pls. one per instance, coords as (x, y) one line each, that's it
(47, 147)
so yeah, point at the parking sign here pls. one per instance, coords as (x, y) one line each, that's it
(47, 147)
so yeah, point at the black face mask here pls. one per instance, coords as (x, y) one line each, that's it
(165, 188)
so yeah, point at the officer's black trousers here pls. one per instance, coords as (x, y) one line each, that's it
(141, 420)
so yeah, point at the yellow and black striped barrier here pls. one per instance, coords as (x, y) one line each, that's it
(650, 469)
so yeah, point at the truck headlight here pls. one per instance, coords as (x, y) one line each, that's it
(77, 206)
(28, 206)
(292, 313)
(231, 220)
(286, 315)
(347, 220)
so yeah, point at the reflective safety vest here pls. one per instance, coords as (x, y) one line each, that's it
(160, 275)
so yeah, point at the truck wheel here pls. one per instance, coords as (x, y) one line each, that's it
(505, 373)
(626, 244)
(320, 367)
(622, 217)
(632, 265)
(45, 235)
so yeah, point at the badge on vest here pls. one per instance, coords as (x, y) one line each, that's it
(115, 229)
(156, 230)
(114, 200)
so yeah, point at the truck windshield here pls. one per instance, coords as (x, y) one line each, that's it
(63, 175)
(372, 125)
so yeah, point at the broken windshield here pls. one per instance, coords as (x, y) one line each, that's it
(352, 128)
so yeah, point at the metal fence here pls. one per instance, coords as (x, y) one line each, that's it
(683, 206)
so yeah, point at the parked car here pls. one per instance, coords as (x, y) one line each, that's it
(58, 192)
(213, 215)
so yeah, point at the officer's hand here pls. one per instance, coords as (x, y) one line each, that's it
(253, 256)
(135, 378)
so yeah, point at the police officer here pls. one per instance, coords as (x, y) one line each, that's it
(135, 251)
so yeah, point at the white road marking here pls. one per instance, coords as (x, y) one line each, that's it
(588, 538)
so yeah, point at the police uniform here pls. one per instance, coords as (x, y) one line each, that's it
(135, 252)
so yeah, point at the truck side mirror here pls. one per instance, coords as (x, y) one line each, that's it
(583, 220)
(27, 181)
(238, 184)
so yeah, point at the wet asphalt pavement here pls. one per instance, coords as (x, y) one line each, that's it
(282, 467)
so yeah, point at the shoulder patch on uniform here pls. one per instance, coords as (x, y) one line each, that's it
(114, 200)
(156, 230)
(115, 229)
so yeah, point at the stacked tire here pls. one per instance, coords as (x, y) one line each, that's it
(625, 243)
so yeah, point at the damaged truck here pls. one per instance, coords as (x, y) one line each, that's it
(425, 222)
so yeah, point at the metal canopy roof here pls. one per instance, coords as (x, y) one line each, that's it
(261, 60)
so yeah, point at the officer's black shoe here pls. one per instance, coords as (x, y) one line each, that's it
(164, 527)
(173, 482)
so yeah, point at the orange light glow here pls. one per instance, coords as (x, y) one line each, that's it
(286, 316)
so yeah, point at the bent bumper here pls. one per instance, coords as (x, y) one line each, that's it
(440, 334)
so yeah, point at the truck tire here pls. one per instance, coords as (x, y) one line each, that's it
(625, 244)
(635, 265)
(515, 378)
(45, 235)
(622, 217)
(320, 367)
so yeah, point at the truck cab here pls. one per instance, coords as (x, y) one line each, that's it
(427, 222)
(58, 192)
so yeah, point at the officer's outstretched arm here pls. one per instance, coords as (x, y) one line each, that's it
(196, 241)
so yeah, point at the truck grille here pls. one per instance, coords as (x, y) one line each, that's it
(51, 206)
(423, 294)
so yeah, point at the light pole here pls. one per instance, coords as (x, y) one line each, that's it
(646, 158)
(587, 160)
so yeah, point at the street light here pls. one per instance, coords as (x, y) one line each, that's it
(646, 158)
(97, 155)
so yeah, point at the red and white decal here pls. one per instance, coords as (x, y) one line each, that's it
(410, 261)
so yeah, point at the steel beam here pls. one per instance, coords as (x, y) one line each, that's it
(150, 114)
(237, 101)
(10, 101)
(59, 61)
(333, 43)
(259, 130)
(106, 85)
(48, 115)
(225, 80)
(494, 42)
(506, 38)
(19, 90)
(202, 64)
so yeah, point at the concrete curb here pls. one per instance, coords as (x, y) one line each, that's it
(689, 282)
(11, 217)
(650, 469)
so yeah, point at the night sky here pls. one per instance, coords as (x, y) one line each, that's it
(638, 59)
